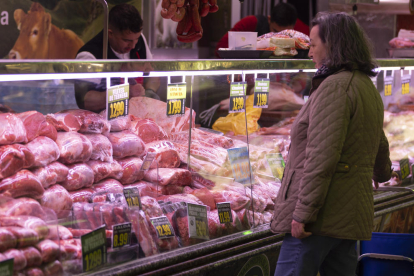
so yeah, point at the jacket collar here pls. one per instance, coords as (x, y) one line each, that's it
(317, 80)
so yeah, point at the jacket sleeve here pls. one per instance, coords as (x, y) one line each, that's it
(382, 167)
(329, 117)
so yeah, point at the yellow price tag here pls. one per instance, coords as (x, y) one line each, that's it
(224, 217)
(404, 168)
(132, 201)
(163, 230)
(201, 228)
(175, 107)
(405, 88)
(387, 90)
(163, 227)
(93, 260)
(116, 109)
(120, 240)
(237, 103)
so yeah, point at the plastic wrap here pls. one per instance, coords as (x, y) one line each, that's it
(45, 151)
(148, 130)
(58, 199)
(131, 170)
(166, 156)
(79, 176)
(36, 125)
(169, 176)
(13, 158)
(102, 170)
(51, 174)
(118, 124)
(29, 222)
(12, 129)
(101, 147)
(25, 237)
(90, 122)
(64, 121)
(23, 183)
(126, 143)
(74, 147)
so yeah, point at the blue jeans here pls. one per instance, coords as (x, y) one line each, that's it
(305, 257)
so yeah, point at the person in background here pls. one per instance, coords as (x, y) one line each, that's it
(338, 148)
(126, 42)
(283, 16)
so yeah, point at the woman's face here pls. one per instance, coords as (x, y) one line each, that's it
(317, 49)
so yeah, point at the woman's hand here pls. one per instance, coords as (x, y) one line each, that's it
(298, 230)
(225, 104)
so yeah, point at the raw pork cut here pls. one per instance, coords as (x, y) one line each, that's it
(126, 143)
(181, 198)
(101, 147)
(53, 269)
(131, 170)
(23, 183)
(144, 188)
(166, 156)
(237, 200)
(120, 123)
(169, 176)
(180, 224)
(74, 147)
(21, 207)
(12, 129)
(64, 122)
(80, 215)
(90, 122)
(32, 256)
(7, 240)
(12, 159)
(36, 125)
(45, 151)
(148, 130)
(49, 250)
(59, 232)
(102, 170)
(79, 176)
(212, 138)
(205, 196)
(82, 195)
(141, 229)
(51, 174)
(25, 237)
(29, 157)
(58, 199)
(19, 260)
(148, 108)
(32, 271)
(28, 222)
(108, 186)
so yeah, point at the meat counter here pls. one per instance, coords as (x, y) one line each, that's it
(224, 145)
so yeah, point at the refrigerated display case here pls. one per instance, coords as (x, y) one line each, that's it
(216, 156)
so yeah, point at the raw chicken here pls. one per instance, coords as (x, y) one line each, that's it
(64, 122)
(36, 125)
(79, 176)
(131, 170)
(170, 176)
(23, 183)
(148, 130)
(58, 199)
(45, 151)
(74, 147)
(12, 129)
(90, 122)
(101, 147)
(51, 174)
(126, 143)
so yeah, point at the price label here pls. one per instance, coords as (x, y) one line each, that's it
(6, 267)
(132, 197)
(176, 94)
(261, 93)
(224, 212)
(147, 161)
(276, 164)
(197, 221)
(240, 166)
(117, 101)
(388, 87)
(93, 249)
(405, 84)
(121, 235)
(237, 97)
(163, 227)
(404, 168)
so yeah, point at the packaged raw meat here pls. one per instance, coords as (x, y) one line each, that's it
(148, 130)
(203, 181)
(180, 224)
(93, 215)
(187, 190)
(79, 215)
(59, 232)
(101, 147)
(12, 129)
(169, 176)
(120, 123)
(82, 195)
(29, 158)
(29, 222)
(267, 217)
(32, 256)
(64, 121)
(102, 170)
(25, 237)
(36, 125)
(51, 174)
(44, 150)
(215, 228)
(237, 200)
(74, 147)
(70, 249)
(49, 250)
(126, 143)
(166, 156)
(7, 240)
(181, 198)
(98, 197)
(170, 189)
(21, 207)
(151, 207)
(141, 229)
(107, 214)
(212, 138)
(20, 261)
(401, 43)
(144, 188)
(53, 269)
(79, 176)
(58, 199)
(72, 267)
(12, 160)
(90, 122)
(148, 108)
(205, 196)
(33, 271)
(23, 183)
(108, 186)
(131, 170)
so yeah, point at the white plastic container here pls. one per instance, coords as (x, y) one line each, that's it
(242, 40)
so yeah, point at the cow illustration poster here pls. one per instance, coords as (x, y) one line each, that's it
(50, 29)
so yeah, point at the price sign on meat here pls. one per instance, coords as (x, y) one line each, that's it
(6, 267)
(148, 161)
(404, 168)
(162, 227)
(176, 94)
(261, 93)
(132, 197)
(93, 249)
(240, 166)
(121, 235)
(224, 212)
(117, 101)
(276, 164)
(388, 85)
(405, 84)
(237, 97)
(197, 221)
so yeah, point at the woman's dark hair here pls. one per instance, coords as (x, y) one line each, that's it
(347, 45)
(284, 14)
(125, 17)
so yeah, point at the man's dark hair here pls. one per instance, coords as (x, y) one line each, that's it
(125, 17)
(284, 14)
(347, 45)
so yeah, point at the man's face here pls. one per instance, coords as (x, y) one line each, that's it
(122, 42)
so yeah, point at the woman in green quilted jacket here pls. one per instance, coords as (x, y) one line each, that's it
(325, 203)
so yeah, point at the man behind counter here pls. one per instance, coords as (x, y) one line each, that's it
(283, 16)
(125, 42)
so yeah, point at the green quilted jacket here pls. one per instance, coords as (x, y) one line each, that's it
(338, 146)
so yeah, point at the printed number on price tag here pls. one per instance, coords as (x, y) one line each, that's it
(237, 104)
(132, 201)
(261, 99)
(163, 227)
(201, 228)
(175, 107)
(120, 239)
(387, 90)
(163, 230)
(241, 170)
(93, 260)
(405, 88)
(404, 168)
(116, 109)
